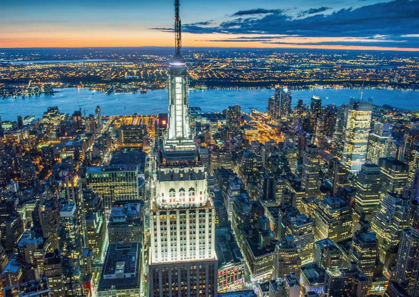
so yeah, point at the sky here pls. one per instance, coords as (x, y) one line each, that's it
(331, 24)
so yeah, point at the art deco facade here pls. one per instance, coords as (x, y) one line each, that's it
(182, 259)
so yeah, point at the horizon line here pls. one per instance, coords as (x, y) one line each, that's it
(343, 48)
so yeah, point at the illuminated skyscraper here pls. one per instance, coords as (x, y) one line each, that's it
(391, 218)
(1, 129)
(326, 123)
(332, 219)
(311, 169)
(315, 112)
(413, 164)
(285, 100)
(394, 176)
(367, 196)
(379, 143)
(364, 251)
(414, 188)
(327, 255)
(406, 272)
(113, 183)
(358, 121)
(339, 132)
(182, 258)
(70, 244)
(339, 175)
(98, 117)
(233, 115)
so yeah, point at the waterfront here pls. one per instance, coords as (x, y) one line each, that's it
(154, 102)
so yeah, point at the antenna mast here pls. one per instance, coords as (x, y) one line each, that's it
(178, 37)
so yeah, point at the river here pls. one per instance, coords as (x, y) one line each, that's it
(154, 102)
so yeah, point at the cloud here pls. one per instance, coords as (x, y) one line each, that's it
(395, 17)
(396, 21)
(313, 11)
(206, 23)
(256, 11)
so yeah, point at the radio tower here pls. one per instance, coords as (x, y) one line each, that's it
(178, 30)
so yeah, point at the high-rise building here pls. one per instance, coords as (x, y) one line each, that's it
(413, 163)
(346, 282)
(327, 255)
(121, 271)
(395, 290)
(339, 131)
(332, 219)
(315, 107)
(284, 100)
(292, 285)
(1, 129)
(315, 112)
(94, 224)
(182, 259)
(358, 122)
(98, 118)
(364, 252)
(394, 174)
(300, 227)
(406, 272)
(286, 258)
(380, 143)
(125, 222)
(414, 188)
(50, 218)
(233, 116)
(54, 271)
(20, 123)
(231, 264)
(326, 123)
(339, 175)
(312, 278)
(35, 288)
(279, 106)
(70, 244)
(114, 183)
(367, 195)
(311, 170)
(132, 135)
(329, 117)
(390, 219)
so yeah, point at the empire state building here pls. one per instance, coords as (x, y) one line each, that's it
(182, 258)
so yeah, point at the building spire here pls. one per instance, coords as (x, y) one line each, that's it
(178, 31)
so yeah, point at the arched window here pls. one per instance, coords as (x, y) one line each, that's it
(191, 195)
(182, 195)
(172, 193)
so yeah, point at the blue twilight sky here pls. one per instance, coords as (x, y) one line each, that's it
(368, 24)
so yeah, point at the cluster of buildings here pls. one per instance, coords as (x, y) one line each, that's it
(296, 201)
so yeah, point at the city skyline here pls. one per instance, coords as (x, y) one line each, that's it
(366, 25)
(214, 175)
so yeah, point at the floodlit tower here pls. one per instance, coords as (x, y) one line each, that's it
(182, 259)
